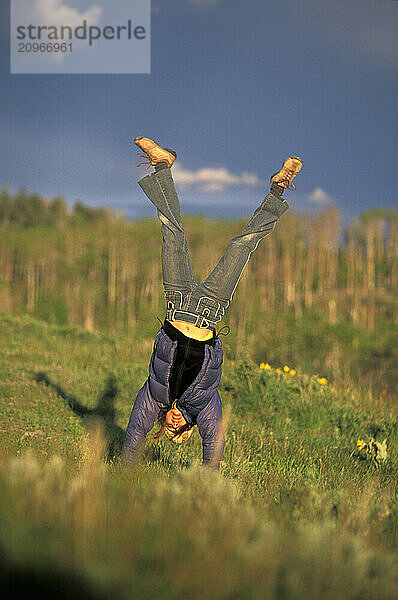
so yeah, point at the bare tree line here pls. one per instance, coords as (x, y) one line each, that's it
(109, 275)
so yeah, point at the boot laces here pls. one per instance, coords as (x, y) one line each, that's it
(290, 185)
(144, 164)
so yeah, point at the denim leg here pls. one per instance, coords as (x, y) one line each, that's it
(203, 305)
(223, 280)
(176, 266)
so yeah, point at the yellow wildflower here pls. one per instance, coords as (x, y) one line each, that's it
(279, 371)
(360, 444)
(286, 369)
(322, 380)
(292, 372)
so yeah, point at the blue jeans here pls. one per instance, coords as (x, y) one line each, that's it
(203, 304)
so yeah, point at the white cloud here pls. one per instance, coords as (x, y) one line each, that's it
(316, 201)
(319, 197)
(211, 179)
(57, 12)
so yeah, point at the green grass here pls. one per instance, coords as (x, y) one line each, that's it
(296, 512)
(300, 292)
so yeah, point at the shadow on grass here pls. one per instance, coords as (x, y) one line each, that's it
(45, 582)
(105, 410)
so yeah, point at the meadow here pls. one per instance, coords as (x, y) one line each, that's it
(299, 508)
(315, 293)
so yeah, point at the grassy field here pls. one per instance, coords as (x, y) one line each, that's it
(315, 293)
(297, 511)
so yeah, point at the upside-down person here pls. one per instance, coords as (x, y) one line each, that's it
(185, 367)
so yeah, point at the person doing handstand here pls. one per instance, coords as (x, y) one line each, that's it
(181, 390)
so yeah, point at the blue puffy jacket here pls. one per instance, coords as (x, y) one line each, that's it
(200, 404)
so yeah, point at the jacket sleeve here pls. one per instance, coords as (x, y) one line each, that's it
(142, 419)
(209, 422)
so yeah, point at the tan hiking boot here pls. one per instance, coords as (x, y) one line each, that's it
(155, 153)
(291, 167)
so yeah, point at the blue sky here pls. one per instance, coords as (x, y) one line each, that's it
(234, 88)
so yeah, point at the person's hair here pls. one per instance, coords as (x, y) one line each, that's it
(164, 426)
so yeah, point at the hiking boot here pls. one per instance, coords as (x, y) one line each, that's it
(155, 153)
(291, 167)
